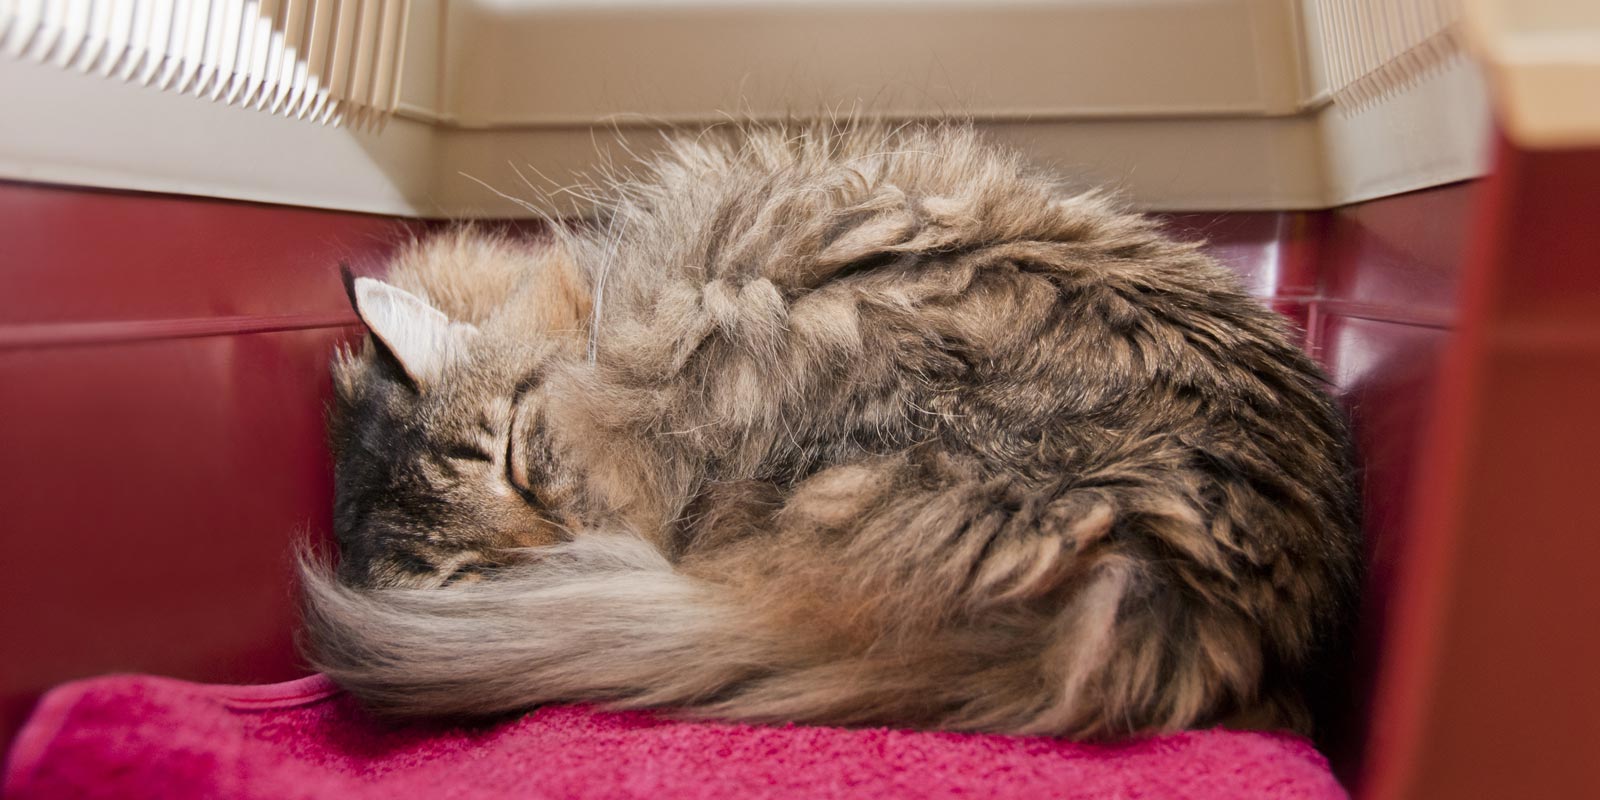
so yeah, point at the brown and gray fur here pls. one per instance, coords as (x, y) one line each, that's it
(879, 428)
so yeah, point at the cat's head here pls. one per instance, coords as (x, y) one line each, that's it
(441, 471)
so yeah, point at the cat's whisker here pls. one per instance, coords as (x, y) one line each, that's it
(502, 195)
(687, 431)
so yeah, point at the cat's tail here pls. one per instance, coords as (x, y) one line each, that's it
(603, 616)
(939, 618)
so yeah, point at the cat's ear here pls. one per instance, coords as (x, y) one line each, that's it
(422, 340)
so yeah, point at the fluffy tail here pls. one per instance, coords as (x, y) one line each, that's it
(1018, 625)
(606, 617)
(601, 617)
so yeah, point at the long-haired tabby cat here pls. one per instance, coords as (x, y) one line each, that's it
(840, 427)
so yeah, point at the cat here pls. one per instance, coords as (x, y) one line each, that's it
(836, 425)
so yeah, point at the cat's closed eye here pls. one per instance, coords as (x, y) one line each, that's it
(518, 473)
(521, 485)
(467, 452)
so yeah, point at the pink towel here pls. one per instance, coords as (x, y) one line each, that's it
(138, 737)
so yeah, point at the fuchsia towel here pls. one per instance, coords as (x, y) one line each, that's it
(136, 737)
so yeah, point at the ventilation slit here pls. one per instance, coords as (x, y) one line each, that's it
(335, 61)
(1372, 49)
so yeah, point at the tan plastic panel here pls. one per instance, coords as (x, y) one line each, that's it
(561, 62)
(1171, 165)
(62, 126)
(1543, 62)
(1181, 104)
(1432, 131)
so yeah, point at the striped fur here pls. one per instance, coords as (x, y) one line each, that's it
(879, 428)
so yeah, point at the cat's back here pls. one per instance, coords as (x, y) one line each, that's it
(955, 258)
(802, 206)
(950, 284)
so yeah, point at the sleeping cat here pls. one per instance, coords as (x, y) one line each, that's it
(846, 427)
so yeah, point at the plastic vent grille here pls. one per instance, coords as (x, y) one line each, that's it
(1375, 48)
(333, 61)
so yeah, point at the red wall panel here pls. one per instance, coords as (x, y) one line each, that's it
(1273, 251)
(79, 261)
(1488, 682)
(162, 373)
(149, 496)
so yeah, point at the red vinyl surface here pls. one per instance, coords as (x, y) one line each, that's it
(163, 369)
(162, 374)
(1487, 685)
